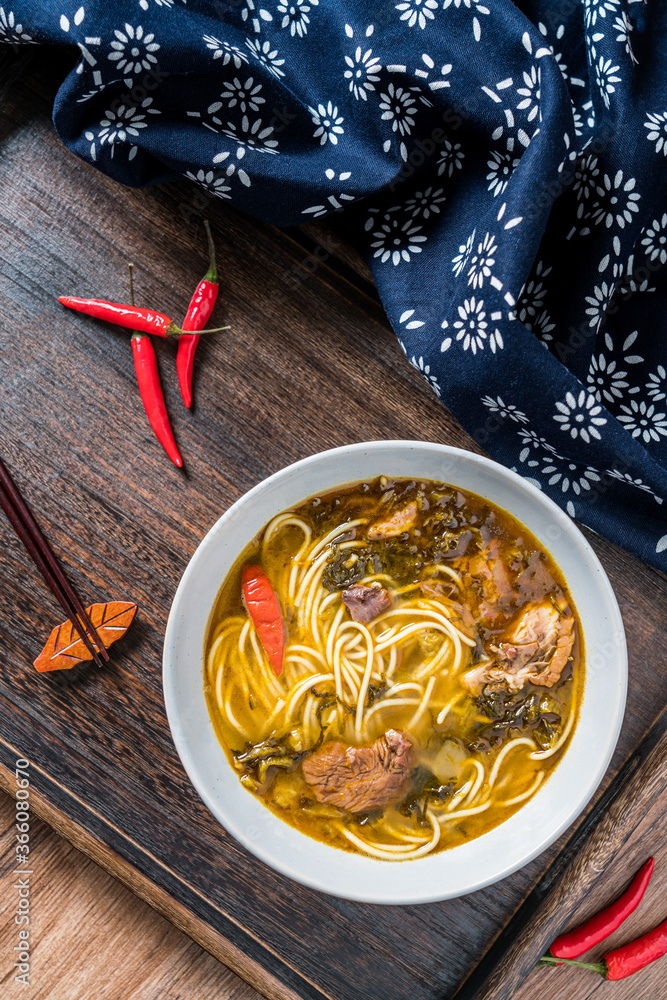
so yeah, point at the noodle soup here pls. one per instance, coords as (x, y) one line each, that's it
(394, 668)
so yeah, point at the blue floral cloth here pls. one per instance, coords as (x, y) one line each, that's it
(503, 165)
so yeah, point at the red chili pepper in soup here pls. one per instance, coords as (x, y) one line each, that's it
(264, 610)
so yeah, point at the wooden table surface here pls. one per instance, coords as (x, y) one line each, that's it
(309, 363)
(81, 917)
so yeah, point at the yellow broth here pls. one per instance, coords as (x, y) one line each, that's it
(432, 571)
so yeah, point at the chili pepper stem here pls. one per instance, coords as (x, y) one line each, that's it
(212, 273)
(175, 331)
(593, 966)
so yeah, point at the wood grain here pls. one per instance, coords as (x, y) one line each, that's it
(309, 363)
(589, 860)
(72, 943)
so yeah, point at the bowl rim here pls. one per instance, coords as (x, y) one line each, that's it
(287, 867)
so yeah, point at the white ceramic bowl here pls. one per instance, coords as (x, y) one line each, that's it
(458, 870)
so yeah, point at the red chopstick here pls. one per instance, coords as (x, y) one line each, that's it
(40, 551)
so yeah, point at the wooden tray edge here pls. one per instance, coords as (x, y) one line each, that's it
(158, 898)
(585, 858)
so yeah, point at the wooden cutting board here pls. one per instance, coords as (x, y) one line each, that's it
(309, 363)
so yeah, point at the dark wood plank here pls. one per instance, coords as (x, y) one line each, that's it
(309, 363)
(589, 862)
(71, 943)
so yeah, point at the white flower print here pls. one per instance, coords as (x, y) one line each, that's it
(460, 261)
(121, 126)
(417, 11)
(623, 25)
(606, 380)
(503, 409)
(451, 158)
(584, 185)
(628, 359)
(255, 15)
(364, 68)
(565, 475)
(510, 129)
(133, 52)
(410, 323)
(144, 4)
(395, 240)
(532, 295)
(620, 201)
(482, 261)
(232, 164)
(599, 302)
(626, 477)
(398, 107)
(580, 416)
(598, 8)
(532, 441)
(11, 30)
(245, 95)
(629, 285)
(605, 78)
(444, 73)
(255, 135)
(656, 384)
(530, 94)
(542, 325)
(335, 200)
(655, 240)
(558, 56)
(472, 5)
(207, 179)
(268, 56)
(656, 124)
(643, 421)
(578, 121)
(501, 167)
(223, 50)
(473, 327)
(425, 203)
(295, 15)
(329, 123)
(425, 370)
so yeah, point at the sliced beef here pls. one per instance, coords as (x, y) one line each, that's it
(486, 572)
(366, 603)
(537, 651)
(360, 779)
(396, 524)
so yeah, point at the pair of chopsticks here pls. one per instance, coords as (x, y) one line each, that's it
(46, 561)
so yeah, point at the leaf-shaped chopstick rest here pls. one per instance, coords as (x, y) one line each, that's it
(65, 649)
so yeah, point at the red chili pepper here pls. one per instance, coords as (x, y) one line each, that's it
(196, 318)
(134, 318)
(264, 610)
(148, 379)
(623, 962)
(599, 927)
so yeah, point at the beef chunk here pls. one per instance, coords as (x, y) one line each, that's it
(537, 651)
(360, 779)
(396, 524)
(366, 603)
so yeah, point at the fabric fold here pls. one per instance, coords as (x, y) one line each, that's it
(502, 166)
